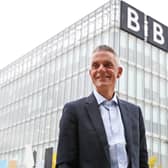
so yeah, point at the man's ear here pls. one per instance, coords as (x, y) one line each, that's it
(90, 72)
(120, 70)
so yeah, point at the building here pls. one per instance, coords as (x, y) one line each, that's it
(35, 87)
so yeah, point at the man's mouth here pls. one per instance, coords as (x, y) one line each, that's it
(103, 77)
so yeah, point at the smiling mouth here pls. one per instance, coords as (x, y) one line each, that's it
(103, 78)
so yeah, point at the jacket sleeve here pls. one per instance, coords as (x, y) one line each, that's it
(68, 139)
(143, 146)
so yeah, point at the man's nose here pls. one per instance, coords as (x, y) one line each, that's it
(101, 67)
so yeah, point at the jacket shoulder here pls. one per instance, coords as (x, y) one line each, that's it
(81, 101)
(128, 104)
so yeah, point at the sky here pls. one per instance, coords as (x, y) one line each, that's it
(25, 24)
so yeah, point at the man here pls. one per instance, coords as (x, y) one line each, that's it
(102, 131)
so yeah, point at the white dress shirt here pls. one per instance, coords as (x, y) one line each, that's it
(114, 129)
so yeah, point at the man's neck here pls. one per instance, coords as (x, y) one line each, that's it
(108, 94)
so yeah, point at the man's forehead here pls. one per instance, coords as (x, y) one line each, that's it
(103, 55)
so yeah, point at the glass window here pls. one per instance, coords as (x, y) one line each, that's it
(31, 131)
(155, 114)
(47, 128)
(69, 63)
(47, 73)
(88, 84)
(123, 45)
(57, 68)
(92, 25)
(41, 76)
(82, 57)
(52, 71)
(59, 114)
(74, 88)
(44, 101)
(78, 32)
(149, 144)
(39, 156)
(164, 122)
(72, 36)
(106, 18)
(132, 49)
(164, 148)
(76, 60)
(34, 105)
(148, 63)
(29, 114)
(123, 81)
(60, 42)
(65, 41)
(155, 88)
(164, 154)
(148, 91)
(98, 22)
(155, 60)
(105, 37)
(21, 134)
(42, 129)
(140, 84)
(140, 52)
(155, 146)
(81, 84)
(50, 98)
(148, 116)
(55, 96)
(67, 89)
(61, 94)
(131, 79)
(37, 127)
(89, 52)
(84, 28)
(167, 62)
(164, 117)
(163, 92)
(27, 133)
(53, 125)
(19, 111)
(98, 39)
(6, 141)
(156, 121)
(162, 57)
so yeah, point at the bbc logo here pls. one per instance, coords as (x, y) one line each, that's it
(145, 27)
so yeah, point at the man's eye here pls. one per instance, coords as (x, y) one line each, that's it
(108, 65)
(95, 66)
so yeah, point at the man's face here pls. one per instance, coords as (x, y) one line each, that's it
(104, 70)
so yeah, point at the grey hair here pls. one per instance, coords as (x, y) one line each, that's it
(105, 47)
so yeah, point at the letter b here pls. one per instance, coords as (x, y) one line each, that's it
(133, 18)
(158, 33)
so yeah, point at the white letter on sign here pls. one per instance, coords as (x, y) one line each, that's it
(158, 33)
(133, 20)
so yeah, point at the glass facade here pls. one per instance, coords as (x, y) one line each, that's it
(35, 87)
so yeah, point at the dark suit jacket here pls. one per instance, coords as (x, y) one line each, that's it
(82, 139)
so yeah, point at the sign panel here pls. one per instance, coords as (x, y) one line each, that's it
(3, 163)
(157, 34)
(48, 158)
(12, 164)
(132, 20)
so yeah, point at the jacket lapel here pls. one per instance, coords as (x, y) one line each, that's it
(126, 118)
(95, 116)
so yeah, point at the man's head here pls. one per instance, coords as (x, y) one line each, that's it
(105, 69)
